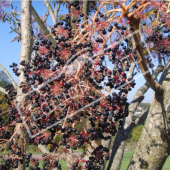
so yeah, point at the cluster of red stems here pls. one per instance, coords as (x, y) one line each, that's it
(63, 88)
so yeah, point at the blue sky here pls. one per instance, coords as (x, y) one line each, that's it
(10, 51)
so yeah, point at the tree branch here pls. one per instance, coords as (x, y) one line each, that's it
(85, 10)
(50, 11)
(9, 76)
(42, 26)
(131, 70)
(3, 90)
(56, 10)
(141, 60)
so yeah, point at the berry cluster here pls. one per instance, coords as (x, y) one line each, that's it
(64, 85)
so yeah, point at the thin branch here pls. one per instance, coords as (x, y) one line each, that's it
(42, 26)
(130, 5)
(122, 6)
(50, 11)
(46, 14)
(45, 17)
(113, 10)
(3, 90)
(124, 3)
(9, 76)
(57, 10)
(142, 6)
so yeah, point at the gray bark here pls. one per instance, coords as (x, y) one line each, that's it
(153, 148)
(26, 47)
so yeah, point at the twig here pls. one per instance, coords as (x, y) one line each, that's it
(50, 11)
(56, 10)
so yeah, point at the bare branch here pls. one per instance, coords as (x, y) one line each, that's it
(3, 90)
(106, 9)
(9, 76)
(46, 14)
(50, 11)
(141, 60)
(56, 10)
(113, 10)
(42, 26)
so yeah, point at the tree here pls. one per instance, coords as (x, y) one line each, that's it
(62, 74)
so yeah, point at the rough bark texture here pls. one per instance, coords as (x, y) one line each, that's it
(26, 47)
(153, 148)
(121, 137)
(26, 42)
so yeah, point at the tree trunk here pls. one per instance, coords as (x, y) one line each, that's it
(122, 135)
(26, 48)
(153, 148)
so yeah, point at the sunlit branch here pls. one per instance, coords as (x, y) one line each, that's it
(42, 26)
(3, 90)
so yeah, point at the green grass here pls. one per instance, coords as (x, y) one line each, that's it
(127, 157)
(126, 160)
(167, 164)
